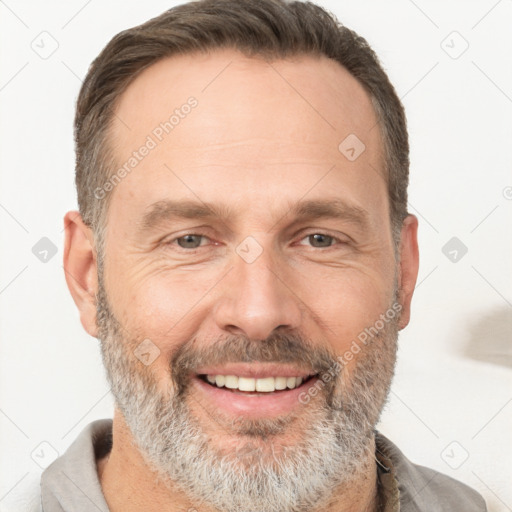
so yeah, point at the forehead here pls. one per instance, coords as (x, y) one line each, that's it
(308, 88)
(252, 120)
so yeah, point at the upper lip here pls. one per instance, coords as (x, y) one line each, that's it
(254, 370)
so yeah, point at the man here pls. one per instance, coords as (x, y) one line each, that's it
(244, 253)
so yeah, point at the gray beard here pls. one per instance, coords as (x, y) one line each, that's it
(333, 434)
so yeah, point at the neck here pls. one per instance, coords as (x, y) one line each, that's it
(130, 485)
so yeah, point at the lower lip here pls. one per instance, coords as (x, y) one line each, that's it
(254, 405)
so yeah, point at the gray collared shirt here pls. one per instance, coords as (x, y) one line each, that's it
(71, 483)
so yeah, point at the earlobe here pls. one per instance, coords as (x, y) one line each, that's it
(409, 264)
(80, 269)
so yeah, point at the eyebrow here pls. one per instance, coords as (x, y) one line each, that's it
(166, 210)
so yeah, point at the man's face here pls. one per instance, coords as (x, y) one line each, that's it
(264, 290)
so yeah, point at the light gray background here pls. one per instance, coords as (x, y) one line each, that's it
(451, 401)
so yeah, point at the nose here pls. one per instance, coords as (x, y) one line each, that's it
(258, 298)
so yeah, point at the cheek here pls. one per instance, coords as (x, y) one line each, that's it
(349, 307)
(158, 315)
(162, 306)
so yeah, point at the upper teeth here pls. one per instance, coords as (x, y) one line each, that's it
(265, 385)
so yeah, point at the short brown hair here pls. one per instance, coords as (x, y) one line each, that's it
(266, 28)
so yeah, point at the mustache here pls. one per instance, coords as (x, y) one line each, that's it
(278, 348)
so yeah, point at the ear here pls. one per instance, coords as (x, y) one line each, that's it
(409, 263)
(81, 269)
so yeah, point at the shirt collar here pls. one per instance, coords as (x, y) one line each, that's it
(387, 482)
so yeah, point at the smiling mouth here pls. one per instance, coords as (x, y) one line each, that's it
(252, 386)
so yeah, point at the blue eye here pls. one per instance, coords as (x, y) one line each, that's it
(190, 241)
(323, 239)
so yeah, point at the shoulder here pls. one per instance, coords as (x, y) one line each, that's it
(71, 481)
(424, 489)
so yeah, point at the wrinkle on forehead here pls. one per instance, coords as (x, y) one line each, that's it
(308, 101)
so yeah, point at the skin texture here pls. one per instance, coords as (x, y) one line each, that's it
(262, 137)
